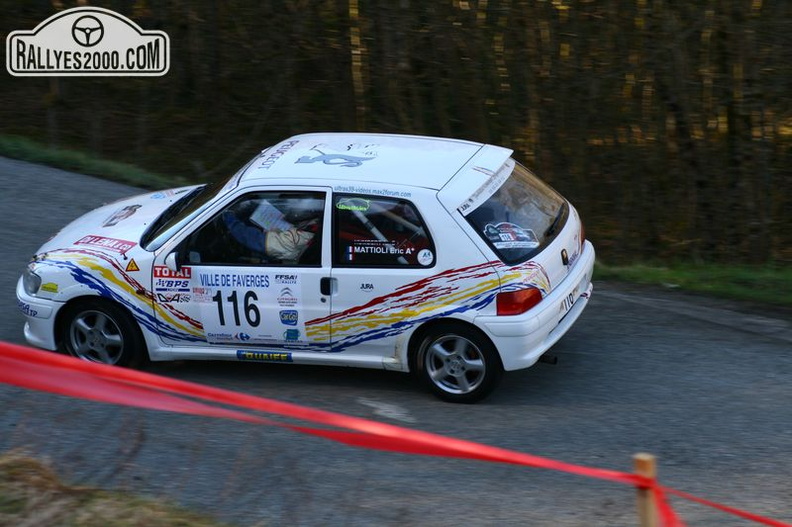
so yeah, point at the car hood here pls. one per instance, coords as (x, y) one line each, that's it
(117, 227)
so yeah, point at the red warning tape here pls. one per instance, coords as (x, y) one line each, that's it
(53, 373)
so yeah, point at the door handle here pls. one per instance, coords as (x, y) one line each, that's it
(327, 285)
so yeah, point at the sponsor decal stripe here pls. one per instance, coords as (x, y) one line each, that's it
(441, 295)
(84, 260)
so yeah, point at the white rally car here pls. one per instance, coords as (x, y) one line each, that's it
(441, 257)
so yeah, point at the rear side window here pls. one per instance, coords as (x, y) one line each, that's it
(379, 232)
(521, 217)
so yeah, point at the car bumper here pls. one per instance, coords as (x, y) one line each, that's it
(40, 316)
(522, 339)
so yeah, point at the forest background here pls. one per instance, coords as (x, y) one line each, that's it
(668, 124)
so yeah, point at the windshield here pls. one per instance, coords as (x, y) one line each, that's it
(521, 217)
(177, 215)
(185, 209)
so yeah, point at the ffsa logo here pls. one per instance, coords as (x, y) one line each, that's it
(87, 42)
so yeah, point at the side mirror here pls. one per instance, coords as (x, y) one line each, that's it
(172, 261)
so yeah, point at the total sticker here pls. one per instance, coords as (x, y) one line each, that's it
(425, 257)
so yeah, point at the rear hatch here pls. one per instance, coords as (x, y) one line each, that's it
(526, 224)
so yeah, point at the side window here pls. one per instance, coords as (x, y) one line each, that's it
(261, 228)
(379, 232)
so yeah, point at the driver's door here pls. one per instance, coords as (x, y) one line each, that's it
(251, 276)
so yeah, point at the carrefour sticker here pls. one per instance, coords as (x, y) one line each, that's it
(507, 235)
(110, 244)
(264, 356)
(243, 337)
(120, 214)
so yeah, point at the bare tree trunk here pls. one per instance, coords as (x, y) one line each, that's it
(357, 52)
(52, 101)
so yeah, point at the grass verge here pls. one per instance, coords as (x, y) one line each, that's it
(17, 147)
(763, 284)
(32, 494)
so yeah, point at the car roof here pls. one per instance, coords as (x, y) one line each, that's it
(389, 159)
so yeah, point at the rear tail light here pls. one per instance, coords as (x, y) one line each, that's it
(517, 302)
(582, 234)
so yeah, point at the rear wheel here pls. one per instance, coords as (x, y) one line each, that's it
(458, 363)
(102, 332)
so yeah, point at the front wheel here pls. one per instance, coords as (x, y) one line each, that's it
(102, 332)
(458, 363)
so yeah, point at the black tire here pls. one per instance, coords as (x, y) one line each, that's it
(458, 363)
(104, 332)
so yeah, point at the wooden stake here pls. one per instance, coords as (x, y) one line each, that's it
(646, 465)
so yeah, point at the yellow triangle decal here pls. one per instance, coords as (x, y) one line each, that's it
(132, 266)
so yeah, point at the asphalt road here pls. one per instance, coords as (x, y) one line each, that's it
(703, 385)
